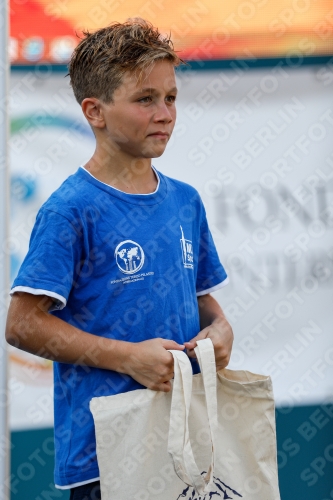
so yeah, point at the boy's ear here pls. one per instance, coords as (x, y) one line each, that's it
(93, 112)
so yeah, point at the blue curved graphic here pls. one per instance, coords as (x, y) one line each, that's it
(22, 188)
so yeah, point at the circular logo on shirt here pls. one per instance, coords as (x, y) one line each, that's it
(129, 257)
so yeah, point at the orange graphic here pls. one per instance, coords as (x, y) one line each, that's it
(45, 30)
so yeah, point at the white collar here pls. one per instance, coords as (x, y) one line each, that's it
(130, 194)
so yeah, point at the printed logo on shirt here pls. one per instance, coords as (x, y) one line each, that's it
(187, 251)
(129, 257)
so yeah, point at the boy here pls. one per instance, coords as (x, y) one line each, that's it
(121, 262)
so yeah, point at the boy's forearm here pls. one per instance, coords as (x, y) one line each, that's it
(215, 326)
(209, 311)
(31, 328)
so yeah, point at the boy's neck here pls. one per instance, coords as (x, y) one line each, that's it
(135, 177)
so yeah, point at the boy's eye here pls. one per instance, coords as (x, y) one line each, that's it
(171, 98)
(147, 98)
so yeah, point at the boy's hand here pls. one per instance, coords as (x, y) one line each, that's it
(220, 332)
(150, 363)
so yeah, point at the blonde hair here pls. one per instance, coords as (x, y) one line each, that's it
(100, 60)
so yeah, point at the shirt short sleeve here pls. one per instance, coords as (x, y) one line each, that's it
(211, 274)
(49, 266)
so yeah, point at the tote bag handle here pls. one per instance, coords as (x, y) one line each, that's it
(179, 445)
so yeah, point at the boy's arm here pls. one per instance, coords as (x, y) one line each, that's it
(213, 325)
(31, 328)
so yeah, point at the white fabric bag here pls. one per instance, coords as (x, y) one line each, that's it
(212, 436)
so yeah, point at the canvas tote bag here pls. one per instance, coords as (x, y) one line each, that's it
(212, 436)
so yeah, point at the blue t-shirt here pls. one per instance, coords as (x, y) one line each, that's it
(121, 266)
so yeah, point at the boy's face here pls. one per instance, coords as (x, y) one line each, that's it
(141, 118)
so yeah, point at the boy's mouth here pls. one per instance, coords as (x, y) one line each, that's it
(159, 135)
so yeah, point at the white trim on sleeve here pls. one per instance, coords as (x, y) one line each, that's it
(61, 301)
(214, 288)
(75, 485)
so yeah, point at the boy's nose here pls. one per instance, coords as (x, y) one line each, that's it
(163, 113)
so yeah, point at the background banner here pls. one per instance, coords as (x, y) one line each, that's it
(257, 145)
